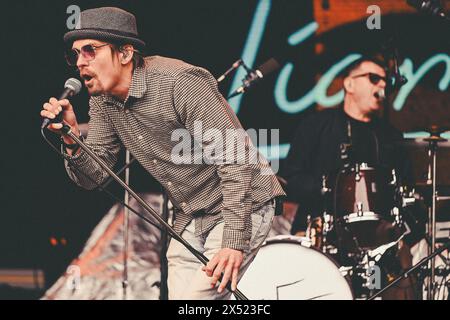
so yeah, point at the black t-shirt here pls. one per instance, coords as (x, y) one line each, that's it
(364, 141)
(316, 151)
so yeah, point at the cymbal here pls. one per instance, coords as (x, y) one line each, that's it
(435, 130)
(434, 138)
(419, 143)
(432, 129)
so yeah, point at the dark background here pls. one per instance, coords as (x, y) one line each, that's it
(39, 201)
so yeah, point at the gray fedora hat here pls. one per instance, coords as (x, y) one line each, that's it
(106, 24)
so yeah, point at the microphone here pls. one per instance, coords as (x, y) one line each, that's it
(432, 7)
(255, 75)
(395, 79)
(71, 88)
(399, 79)
(380, 95)
(234, 66)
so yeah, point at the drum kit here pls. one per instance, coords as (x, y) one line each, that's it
(356, 247)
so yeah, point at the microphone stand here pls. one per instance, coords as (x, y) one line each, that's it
(125, 167)
(163, 289)
(66, 130)
(126, 225)
(251, 76)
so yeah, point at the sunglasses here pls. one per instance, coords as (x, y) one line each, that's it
(373, 77)
(87, 51)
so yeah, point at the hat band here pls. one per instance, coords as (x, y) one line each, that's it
(116, 32)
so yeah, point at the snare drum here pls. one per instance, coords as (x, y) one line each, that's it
(288, 268)
(363, 203)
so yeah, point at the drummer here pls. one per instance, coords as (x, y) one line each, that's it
(328, 140)
(356, 132)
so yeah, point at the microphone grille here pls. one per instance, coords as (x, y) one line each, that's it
(73, 84)
(269, 66)
(380, 94)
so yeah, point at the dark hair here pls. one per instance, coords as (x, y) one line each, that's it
(138, 59)
(355, 64)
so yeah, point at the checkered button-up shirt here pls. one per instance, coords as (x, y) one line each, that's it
(173, 107)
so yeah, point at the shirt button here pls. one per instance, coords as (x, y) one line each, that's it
(140, 137)
(155, 161)
(127, 111)
(169, 183)
(183, 204)
(247, 241)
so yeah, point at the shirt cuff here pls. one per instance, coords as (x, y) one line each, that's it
(80, 159)
(236, 239)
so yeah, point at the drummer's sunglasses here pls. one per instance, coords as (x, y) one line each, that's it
(373, 77)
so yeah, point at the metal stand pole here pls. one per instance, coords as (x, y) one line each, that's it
(432, 153)
(126, 223)
(433, 222)
(164, 292)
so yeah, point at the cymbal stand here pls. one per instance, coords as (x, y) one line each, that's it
(432, 174)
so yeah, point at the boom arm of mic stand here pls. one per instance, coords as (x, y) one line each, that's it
(201, 257)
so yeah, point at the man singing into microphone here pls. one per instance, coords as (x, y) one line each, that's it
(317, 148)
(223, 208)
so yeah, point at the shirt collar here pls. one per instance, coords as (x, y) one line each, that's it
(137, 87)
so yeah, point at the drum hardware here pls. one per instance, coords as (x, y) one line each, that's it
(363, 166)
(414, 268)
(357, 175)
(397, 216)
(345, 149)
(310, 233)
(346, 271)
(366, 272)
(325, 189)
(408, 197)
(365, 200)
(326, 223)
(326, 229)
(443, 258)
(377, 258)
(394, 178)
(359, 209)
(433, 140)
(440, 272)
(377, 253)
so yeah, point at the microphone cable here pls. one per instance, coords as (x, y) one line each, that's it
(99, 186)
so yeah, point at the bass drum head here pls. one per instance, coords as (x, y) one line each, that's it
(285, 268)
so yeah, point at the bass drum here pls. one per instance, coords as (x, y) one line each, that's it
(288, 268)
